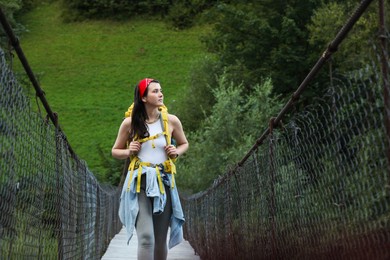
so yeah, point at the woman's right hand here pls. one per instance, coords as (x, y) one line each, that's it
(134, 147)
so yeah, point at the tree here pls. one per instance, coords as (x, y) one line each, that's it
(328, 19)
(10, 8)
(261, 39)
(236, 121)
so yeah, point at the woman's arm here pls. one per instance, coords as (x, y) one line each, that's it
(177, 133)
(119, 150)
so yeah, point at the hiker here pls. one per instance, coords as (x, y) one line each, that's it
(150, 200)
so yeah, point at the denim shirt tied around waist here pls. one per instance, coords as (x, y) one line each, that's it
(128, 207)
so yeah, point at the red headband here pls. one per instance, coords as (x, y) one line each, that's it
(143, 84)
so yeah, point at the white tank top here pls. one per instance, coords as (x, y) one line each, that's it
(157, 154)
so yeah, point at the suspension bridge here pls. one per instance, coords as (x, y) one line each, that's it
(315, 186)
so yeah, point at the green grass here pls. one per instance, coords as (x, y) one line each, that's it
(88, 70)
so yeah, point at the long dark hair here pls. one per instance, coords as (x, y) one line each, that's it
(139, 129)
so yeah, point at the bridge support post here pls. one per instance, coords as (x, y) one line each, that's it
(272, 207)
(60, 248)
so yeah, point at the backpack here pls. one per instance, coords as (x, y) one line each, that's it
(164, 123)
(133, 161)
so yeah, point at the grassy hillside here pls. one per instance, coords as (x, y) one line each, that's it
(88, 71)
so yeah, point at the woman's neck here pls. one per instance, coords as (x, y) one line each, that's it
(153, 115)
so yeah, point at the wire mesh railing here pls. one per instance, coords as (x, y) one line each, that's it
(315, 187)
(52, 206)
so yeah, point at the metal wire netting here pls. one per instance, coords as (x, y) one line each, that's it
(318, 186)
(52, 206)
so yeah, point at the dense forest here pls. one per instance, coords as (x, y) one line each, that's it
(258, 52)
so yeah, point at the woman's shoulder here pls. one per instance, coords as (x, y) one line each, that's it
(126, 122)
(174, 121)
(172, 118)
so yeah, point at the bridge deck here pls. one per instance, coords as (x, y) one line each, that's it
(118, 249)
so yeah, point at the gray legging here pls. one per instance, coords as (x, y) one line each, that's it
(152, 229)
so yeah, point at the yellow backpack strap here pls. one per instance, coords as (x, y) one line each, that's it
(160, 183)
(167, 133)
(133, 161)
(173, 172)
(165, 124)
(137, 164)
(129, 111)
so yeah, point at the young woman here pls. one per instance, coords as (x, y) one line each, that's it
(150, 199)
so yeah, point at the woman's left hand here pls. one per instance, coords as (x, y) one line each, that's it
(171, 151)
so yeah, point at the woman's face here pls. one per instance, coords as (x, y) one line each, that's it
(154, 95)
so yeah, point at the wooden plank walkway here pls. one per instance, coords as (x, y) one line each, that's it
(118, 249)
